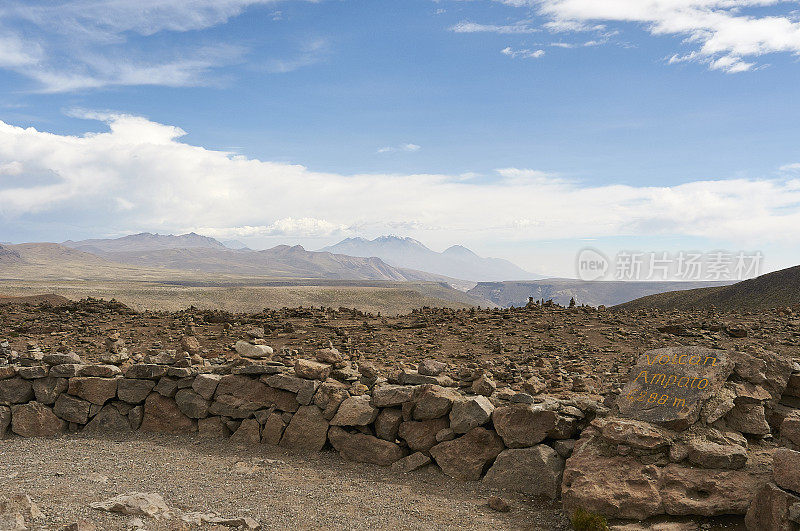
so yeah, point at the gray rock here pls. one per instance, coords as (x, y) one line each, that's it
(469, 413)
(535, 471)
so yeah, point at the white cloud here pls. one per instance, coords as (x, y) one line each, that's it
(522, 54)
(410, 148)
(794, 167)
(472, 27)
(139, 176)
(311, 52)
(85, 44)
(727, 35)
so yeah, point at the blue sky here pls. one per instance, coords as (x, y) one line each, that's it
(520, 128)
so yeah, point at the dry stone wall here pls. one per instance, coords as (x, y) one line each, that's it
(510, 440)
(692, 433)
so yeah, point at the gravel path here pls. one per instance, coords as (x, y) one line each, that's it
(279, 489)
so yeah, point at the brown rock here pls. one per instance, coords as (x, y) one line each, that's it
(523, 425)
(249, 432)
(484, 386)
(364, 448)
(433, 401)
(786, 469)
(790, 430)
(411, 462)
(388, 424)
(469, 413)
(273, 429)
(421, 435)
(535, 471)
(703, 492)
(311, 370)
(387, 395)
(748, 418)
(192, 404)
(15, 391)
(467, 457)
(212, 428)
(95, 390)
(161, 414)
(239, 397)
(48, 389)
(355, 411)
(498, 504)
(617, 487)
(633, 433)
(109, 419)
(35, 420)
(708, 454)
(770, 510)
(307, 431)
(72, 409)
(134, 391)
(146, 371)
(5, 420)
(205, 385)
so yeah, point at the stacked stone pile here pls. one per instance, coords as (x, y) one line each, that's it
(416, 417)
(692, 433)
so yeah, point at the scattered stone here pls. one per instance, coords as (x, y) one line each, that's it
(147, 504)
(498, 504)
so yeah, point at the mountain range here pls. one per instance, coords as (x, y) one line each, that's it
(455, 262)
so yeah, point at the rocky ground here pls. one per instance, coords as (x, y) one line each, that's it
(567, 348)
(280, 490)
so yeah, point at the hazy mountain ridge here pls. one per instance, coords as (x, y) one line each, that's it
(772, 290)
(457, 261)
(145, 241)
(561, 290)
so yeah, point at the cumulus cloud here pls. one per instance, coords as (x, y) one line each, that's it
(84, 44)
(726, 35)
(140, 176)
(522, 53)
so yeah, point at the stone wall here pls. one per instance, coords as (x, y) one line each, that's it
(640, 458)
(512, 440)
(692, 433)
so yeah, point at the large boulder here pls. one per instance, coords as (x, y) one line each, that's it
(748, 418)
(307, 431)
(469, 413)
(95, 390)
(704, 492)
(355, 411)
(133, 390)
(35, 420)
(161, 414)
(364, 448)
(191, 403)
(109, 419)
(523, 425)
(614, 486)
(534, 471)
(421, 435)
(669, 386)
(205, 384)
(238, 396)
(15, 391)
(772, 510)
(48, 389)
(467, 457)
(72, 409)
(786, 469)
(248, 350)
(433, 401)
(388, 395)
(312, 370)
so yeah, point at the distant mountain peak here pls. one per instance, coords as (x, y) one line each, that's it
(146, 241)
(456, 262)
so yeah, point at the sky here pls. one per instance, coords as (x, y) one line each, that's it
(522, 129)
